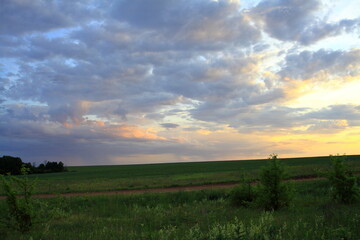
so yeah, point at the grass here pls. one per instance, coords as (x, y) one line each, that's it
(206, 214)
(101, 178)
(178, 215)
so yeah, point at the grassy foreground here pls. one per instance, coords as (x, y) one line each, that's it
(117, 177)
(194, 215)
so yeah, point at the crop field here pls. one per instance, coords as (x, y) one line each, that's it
(117, 177)
(197, 215)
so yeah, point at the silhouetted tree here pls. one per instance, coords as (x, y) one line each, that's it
(10, 165)
(13, 165)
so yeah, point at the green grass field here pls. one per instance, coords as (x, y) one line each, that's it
(193, 215)
(102, 178)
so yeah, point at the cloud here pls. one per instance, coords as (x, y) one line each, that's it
(306, 64)
(170, 125)
(106, 80)
(132, 132)
(328, 126)
(196, 25)
(285, 20)
(26, 16)
(323, 30)
(298, 21)
(337, 112)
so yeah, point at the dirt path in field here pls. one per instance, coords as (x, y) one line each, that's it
(159, 190)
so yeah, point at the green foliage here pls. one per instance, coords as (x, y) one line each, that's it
(266, 228)
(262, 229)
(274, 193)
(20, 209)
(243, 194)
(22, 213)
(192, 215)
(343, 183)
(233, 230)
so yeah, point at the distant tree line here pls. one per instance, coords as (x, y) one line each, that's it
(12, 165)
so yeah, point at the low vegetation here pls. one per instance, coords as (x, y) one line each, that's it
(274, 192)
(343, 183)
(315, 212)
(20, 212)
(117, 177)
(195, 215)
(243, 194)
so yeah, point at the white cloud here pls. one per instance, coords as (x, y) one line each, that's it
(130, 78)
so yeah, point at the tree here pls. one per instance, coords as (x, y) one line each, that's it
(10, 165)
(274, 193)
(343, 183)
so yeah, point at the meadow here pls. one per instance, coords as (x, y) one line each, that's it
(197, 215)
(194, 215)
(118, 177)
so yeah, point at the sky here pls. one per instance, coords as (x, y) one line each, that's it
(98, 82)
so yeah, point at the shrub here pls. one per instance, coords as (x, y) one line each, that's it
(243, 194)
(274, 193)
(343, 184)
(20, 210)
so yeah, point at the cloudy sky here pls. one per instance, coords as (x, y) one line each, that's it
(142, 81)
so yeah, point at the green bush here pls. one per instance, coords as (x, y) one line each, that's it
(20, 209)
(274, 192)
(343, 184)
(243, 194)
